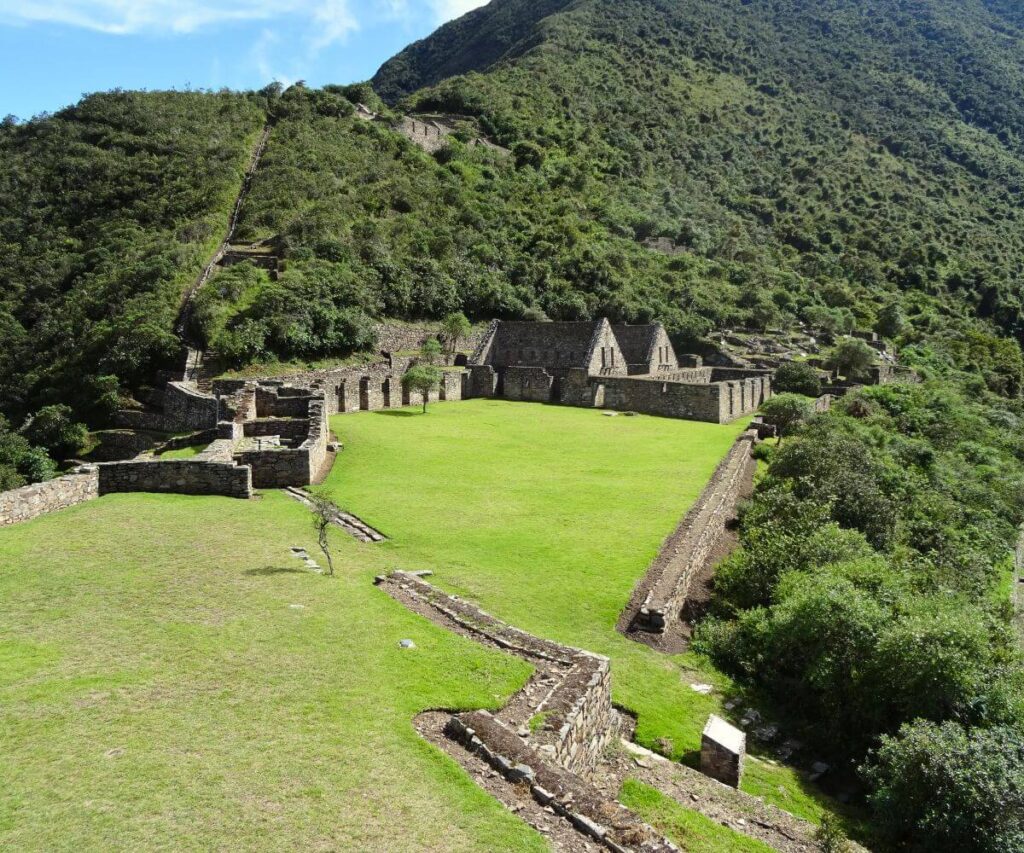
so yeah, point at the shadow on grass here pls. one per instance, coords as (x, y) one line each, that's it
(270, 571)
(399, 413)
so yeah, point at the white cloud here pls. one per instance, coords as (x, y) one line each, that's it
(448, 10)
(329, 20)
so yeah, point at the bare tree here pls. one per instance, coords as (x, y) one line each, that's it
(325, 511)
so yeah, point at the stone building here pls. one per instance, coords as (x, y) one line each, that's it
(597, 365)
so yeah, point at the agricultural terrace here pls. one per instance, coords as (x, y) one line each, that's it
(171, 675)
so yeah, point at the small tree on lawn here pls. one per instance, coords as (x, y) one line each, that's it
(324, 513)
(422, 379)
(454, 328)
(786, 412)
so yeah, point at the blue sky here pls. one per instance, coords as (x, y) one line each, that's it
(53, 51)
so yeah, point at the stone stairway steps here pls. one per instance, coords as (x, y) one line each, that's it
(355, 527)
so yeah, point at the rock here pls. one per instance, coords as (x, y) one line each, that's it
(297, 606)
(703, 689)
(406, 644)
(610, 414)
(521, 773)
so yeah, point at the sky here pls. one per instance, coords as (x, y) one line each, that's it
(54, 51)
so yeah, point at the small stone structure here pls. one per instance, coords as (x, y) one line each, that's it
(598, 365)
(723, 748)
(30, 502)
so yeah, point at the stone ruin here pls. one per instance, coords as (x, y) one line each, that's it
(261, 435)
(621, 368)
(723, 748)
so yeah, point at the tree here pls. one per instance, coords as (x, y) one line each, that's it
(786, 411)
(797, 377)
(947, 788)
(890, 321)
(325, 511)
(422, 379)
(528, 154)
(454, 328)
(852, 358)
(430, 352)
(54, 428)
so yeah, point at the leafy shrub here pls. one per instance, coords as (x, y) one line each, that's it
(797, 377)
(948, 788)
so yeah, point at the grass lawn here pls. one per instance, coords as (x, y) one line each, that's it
(692, 831)
(547, 517)
(171, 679)
(183, 452)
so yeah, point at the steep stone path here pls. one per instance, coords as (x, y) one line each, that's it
(186, 306)
(524, 764)
(1018, 585)
(355, 527)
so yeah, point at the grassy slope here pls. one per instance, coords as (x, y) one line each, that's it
(690, 830)
(547, 517)
(157, 690)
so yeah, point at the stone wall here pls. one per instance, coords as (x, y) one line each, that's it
(483, 381)
(723, 748)
(117, 444)
(184, 477)
(452, 386)
(290, 429)
(665, 399)
(689, 548)
(532, 384)
(887, 374)
(689, 375)
(407, 337)
(39, 499)
(281, 402)
(187, 408)
(275, 468)
(184, 408)
(605, 357)
(587, 726)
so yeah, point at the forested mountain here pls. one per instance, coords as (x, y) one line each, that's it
(799, 161)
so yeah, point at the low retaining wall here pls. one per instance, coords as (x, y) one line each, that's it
(690, 547)
(30, 502)
(578, 716)
(606, 822)
(183, 477)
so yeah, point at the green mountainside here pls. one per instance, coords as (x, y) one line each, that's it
(793, 162)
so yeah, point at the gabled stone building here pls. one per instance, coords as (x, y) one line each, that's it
(597, 365)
